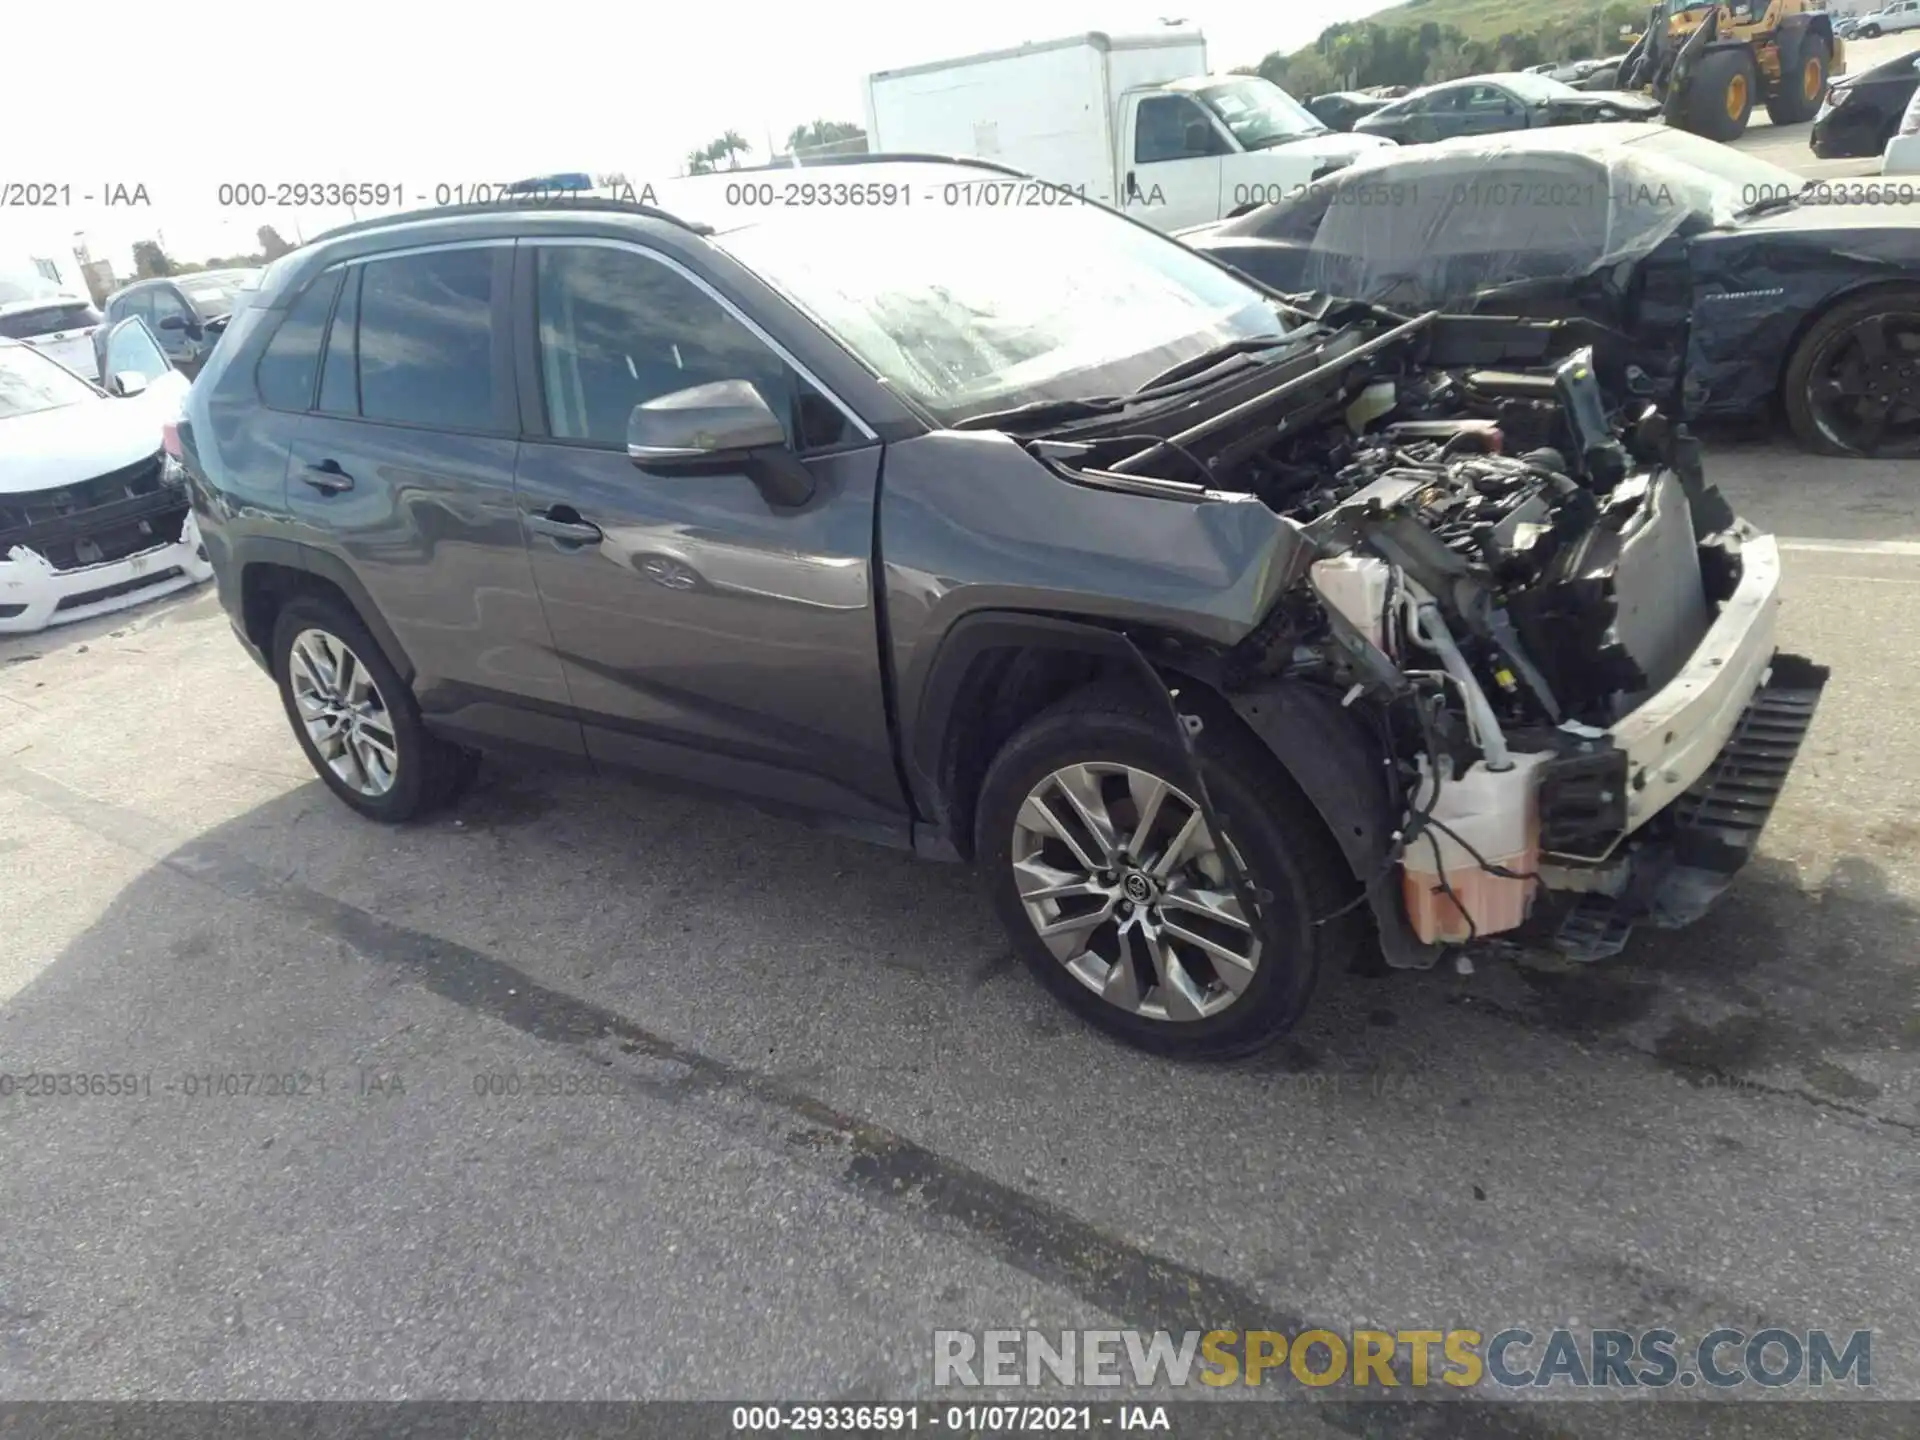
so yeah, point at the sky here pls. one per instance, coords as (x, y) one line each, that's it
(420, 96)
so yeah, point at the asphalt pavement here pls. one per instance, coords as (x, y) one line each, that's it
(803, 1109)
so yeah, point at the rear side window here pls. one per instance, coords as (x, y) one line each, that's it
(292, 359)
(48, 320)
(339, 375)
(426, 340)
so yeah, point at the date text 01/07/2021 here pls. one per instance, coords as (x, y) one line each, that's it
(955, 1419)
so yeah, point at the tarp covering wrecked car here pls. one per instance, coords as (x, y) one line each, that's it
(1719, 273)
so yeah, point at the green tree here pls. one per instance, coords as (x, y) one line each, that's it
(272, 247)
(730, 147)
(149, 260)
(700, 162)
(823, 132)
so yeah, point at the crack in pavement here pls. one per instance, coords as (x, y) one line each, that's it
(1731, 1081)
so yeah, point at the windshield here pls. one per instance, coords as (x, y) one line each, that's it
(972, 309)
(29, 383)
(1538, 88)
(212, 295)
(1259, 113)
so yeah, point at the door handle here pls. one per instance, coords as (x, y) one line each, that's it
(563, 522)
(327, 477)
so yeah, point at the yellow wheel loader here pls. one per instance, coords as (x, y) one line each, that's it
(1711, 61)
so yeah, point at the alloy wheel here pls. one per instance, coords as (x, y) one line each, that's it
(344, 712)
(1123, 884)
(1864, 386)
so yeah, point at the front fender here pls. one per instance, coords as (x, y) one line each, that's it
(1342, 771)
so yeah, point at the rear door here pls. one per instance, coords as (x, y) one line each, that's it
(707, 634)
(404, 470)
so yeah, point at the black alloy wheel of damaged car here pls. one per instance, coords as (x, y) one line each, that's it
(1103, 868)
(1853, 385)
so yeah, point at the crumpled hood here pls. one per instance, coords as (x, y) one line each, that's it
(78, 442)
(1625, 102)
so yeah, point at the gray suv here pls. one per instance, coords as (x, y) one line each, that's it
(1230, 637)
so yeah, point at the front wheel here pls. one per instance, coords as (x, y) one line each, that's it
(1101, 866)
(1869, 32)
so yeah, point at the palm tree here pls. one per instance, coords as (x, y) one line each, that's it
(730, 147)
(700, 162)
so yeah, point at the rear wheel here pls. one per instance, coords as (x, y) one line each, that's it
(1102, 869)
(1718, 100)
(1803, 82)
(356, 719)
(1853, 384)
(1868, 32)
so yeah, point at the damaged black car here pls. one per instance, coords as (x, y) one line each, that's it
(1729, 287)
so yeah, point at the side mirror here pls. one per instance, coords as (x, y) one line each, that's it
(174, 322)
(127, 383)
(726, 425)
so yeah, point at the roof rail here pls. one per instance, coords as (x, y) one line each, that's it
(519, 203)
(882, 157)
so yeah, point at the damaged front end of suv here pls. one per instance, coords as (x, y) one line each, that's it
(1515, 649)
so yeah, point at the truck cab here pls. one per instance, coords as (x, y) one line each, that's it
(1132, 121)
(1213, 146)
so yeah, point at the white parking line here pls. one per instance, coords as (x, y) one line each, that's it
(1903, 549)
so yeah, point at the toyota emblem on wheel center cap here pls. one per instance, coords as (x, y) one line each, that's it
(1138, 888)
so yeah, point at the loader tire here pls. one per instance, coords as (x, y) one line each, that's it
(1803, 81)
(1718, 99)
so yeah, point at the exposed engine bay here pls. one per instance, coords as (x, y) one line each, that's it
(1502, 575)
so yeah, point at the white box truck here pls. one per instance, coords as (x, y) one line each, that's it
(1134, 121)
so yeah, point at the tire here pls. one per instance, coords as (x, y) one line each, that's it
(425, 771)
(1289, 862)
(1868, 32)
(1798, 74)
(1718, 101)
(1834, 351)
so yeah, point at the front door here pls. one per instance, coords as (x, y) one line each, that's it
(176, 326)
(1174, 165)
(706, 633)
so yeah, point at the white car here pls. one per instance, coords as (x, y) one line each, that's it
(1901, 15)
(93, 510)
(1902, 156)
(57, 323)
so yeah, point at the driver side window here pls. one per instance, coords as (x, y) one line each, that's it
(618, 328)
(1173, 127)
(165, 303)
(131, 346)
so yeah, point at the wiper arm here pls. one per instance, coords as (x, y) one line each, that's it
(1773, 202)
(1057, 412)
(1200, 364)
